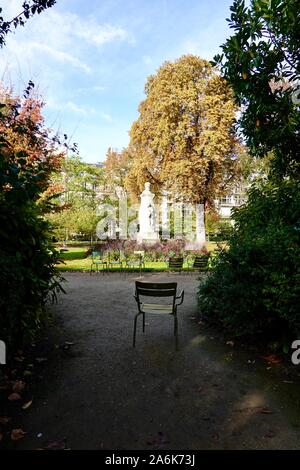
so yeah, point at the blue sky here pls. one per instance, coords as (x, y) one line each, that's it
(90, 59)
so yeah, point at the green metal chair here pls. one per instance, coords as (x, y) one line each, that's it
(175, 264)
(114, 260)
(146, 289)
(200, 263)
(136, 262)
(97, 260)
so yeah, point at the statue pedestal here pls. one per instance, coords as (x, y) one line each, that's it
(149, 238)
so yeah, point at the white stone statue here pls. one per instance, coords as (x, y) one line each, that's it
(148, 231)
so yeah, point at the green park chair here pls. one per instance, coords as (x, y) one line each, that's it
(136, 261)
(200, 263)
(98, 261)
(175, 264)
(114, 260)
(146, 289)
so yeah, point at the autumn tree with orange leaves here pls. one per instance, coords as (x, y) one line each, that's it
(183, 139)
(29, 155)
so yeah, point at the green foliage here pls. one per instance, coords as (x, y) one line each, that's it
(28, 276)
(218, 229)
(255, 286)
(261, 63)
(75, 212)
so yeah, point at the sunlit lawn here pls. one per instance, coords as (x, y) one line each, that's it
(75, 259)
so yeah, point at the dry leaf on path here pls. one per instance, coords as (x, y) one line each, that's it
(270, 434)
(18, 386)
(27, 405)
(272, 359)
(17, 434)
(60, 444)
(265, 411)
(14, 396)
(4, 420)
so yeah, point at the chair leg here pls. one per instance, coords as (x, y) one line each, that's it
(176, 331)
(134, 329)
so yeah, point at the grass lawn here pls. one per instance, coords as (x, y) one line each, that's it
(75, 259)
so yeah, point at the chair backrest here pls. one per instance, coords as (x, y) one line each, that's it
(201, 261)
(114, 255)
(96, 254)
(175, 263)
(160, 289)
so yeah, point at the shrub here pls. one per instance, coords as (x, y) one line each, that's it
(254, 287)
(161, 250)
(27, 258)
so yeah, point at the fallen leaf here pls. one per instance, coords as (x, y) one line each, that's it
(4, 420)
(230, 343)
(14, 396)
(27, 405)
(18, 386)
(270, 434)
(265, 411)
(17, 434)
(288, 382)
(56, 445)
(158, 441)
(272, 359)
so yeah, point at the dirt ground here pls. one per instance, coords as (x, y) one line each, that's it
(103, 394)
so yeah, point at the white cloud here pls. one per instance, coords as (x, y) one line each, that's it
(61, 56)
(73, 107)
(106, 117)
(95, 88)
(68, 27)
(97, 34)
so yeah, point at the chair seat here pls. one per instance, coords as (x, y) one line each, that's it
(156, 308)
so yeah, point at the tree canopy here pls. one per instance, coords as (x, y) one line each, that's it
(261, 63)
(182, 140)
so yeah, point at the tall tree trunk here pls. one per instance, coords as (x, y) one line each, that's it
(200, 224)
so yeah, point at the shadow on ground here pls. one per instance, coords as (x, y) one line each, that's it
(103, 394)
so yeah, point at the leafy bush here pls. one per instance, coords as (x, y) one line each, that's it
(254, 287)
(160, 250)
(27, 258)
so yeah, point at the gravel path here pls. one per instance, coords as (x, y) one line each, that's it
(102, 393)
